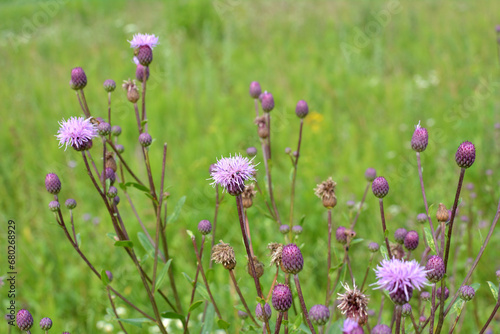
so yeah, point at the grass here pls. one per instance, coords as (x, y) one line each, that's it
(363, 110)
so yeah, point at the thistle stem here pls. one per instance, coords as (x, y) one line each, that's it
(278, 323)
(382, 216)
(273, 284)
(425, 198)
(447, 250)
(110, 143)
(360, 205)
(144, 79)
(329, 258)
(433, 309)
(497, 305)
(194, 283)
(303, 303)
(367, 271)
(214, 225)
(114, 310)
(235, 283)
(294, 177)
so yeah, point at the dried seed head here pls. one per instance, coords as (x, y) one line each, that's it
(292, 260)
(255, 89)
(223, 253)
(353, 304)
(78, 78)
(326, 191)
(247, 195)
(282, 298)
(109, 85)
(52, 183)
(110, 161)
(276, 250)
(319, 315)
(466, 154)
(380, 187)
(132, 90)
(420, 139)
(262, 129)
(442, 214)
(302, 109)
(259, 267)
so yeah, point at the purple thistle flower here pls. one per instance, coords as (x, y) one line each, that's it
(400, 276)
(351, 327)
(420, 139)
(143, 39)
(231, 173)
(76, 132)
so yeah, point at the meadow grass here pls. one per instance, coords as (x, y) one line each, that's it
(363, 110)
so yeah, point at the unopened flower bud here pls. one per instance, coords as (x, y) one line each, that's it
(112, 192)
(120, 148)
(204, 227)
(46, 324)
(406, 310)
(292, 260)
(421, 218)
(144, 55)
(382, 329)
(255, 89)
(109, 174)
(466, 293)
(373, 247)
(466, 154)
(267, 101)
(284, 229)
(340, 235)
(139, 73)
(446, 293)
(263, 313)
(103, 129)
(251, 151)
(370, 174)
(109, 85)
(70, 203)
(110, 275)
(425, 296)
(302, 109)
(399, 235)
(319, 315)
(78, 78)
(380, 187)
(54, 206)
(145, 139)
(411, 240)
(24, 320)
(435, 268)
(297, 229)
(282, 298)
(52, 183)
(116, 130)
(420, 139)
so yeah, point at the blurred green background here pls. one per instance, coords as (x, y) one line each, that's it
(370, 71)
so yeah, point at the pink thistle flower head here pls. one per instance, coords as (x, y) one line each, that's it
(400, 278)
(143, 39)
(231, 173)
(76, 132)
(351, 327)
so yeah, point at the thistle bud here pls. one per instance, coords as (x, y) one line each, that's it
(420, 139)
(297, 229)
(370, 174)
(251, 151)
(446, 293)
(78, 78)
(399, 235)
(145, 55)
(292, 261)
(109, 85)
(425, 296)
(103, 129)
(284, 229)
(54, 206)
(421, 218)
(204, 227)
(70, 203)
(466, 154)
(466, 293)
(120, 148)
(112, 192)
(24, 320)
(255, 89)
(263, 313)
(435, 268)
(267, 101)
(406, 310)
(139, 73)
(382, 329)
(110, 175)
(52, 183)
(319, 315)
(145, 139)
(116, 130)
(411, 240)
(302, 109)
(46, 324)
(110, 161)
(373, 247)
(282, 298)
(340, 235)
(380, 187)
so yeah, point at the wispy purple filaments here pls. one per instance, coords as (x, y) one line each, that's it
(75, 132)
(231, 173)
(395, 274)
(144, 39)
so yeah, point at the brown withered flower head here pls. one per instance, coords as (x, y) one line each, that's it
(247, 195)
(259, 267)
(224, 253)
(326, 191)
(442, 213)
(275, 254)
(132, 90)
(110, 161)
(353, 304)
(262, 129)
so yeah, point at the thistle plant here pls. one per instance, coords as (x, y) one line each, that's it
(397, 272)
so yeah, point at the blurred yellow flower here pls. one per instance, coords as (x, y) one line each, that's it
(314, 120)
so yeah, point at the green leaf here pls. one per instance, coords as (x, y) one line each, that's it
(124, 243)
(200, 288)
(297, 322)
(78, 240)
(386, 233)
(261, 301)
(136, 322)
(144, 122)
(137, 186)
(209, 273)
(208, 324)
(336, 327)
(161, 277)
(172, 315)
(222, 324)
(356, 241)
(189, 279)
(190, 233)
(493, 289)
(336, 267)
(146, 244)
(195, 305)
(104, 277)
(177, 210)
(430, 239)
(111, 235)
(301, 221)
(457, 306)
(475, 286)
(383, 251)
